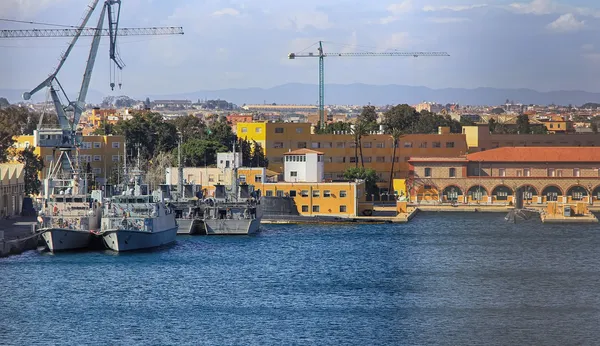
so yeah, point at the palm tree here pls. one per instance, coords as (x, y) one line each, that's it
(396, 133)
(359, 130)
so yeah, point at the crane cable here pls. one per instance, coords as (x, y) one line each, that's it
(38, 23)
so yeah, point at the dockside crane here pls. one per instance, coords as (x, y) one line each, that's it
(321, 55)
(64, 137)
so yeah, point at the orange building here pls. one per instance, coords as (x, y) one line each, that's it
(561, 174)
(559, 124)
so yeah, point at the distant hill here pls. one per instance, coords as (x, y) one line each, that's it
(359, 94)
(387, 94)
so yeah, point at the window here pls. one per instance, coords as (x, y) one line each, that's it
(97, 158)
(576, 172)
(221, 177)
(315, 145)
(559, 173)
(352, 159)
(367, 159)
(279, 193)
(242, 178)
(340, 145)
(293, 174)
(301, 145)
(258, 178)
(577, 195)
(115, 158)
(244, 129)
(527, 172)
(449, 144)
(305, 209)
(292, 193)
(326, 193)
(279, 130)
(49, 157)
(423, 145)
(501, 172)
(97, 170)
(427, 172)
(316, 193)
(327, 145)
(85, 145)
(351, 145)
(380, 145)
(408, 144)
(342, 193)
(258, 130)
(367, 145)
(304, 193)
(342, 208)
(380, 159)
(551, 172)
(27, 144)
(298, 130)
(519, 173)
(278, 145)
(269, 193)
(211, 178)
(116, 145)
(452, 172)
(315, 208)
(97, 145)
(436, 145)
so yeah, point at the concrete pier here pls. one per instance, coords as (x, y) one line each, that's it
(17, 235)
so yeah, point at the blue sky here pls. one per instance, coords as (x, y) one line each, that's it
(539, 44)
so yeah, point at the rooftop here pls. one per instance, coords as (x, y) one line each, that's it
(438, 159)
(303, 152)
(538, 154)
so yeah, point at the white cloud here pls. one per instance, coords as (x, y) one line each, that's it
(566, 23)
(226, 12)
(26, 8)
(587, 47)
(447, 20)
(456, 8)
(397, 40)
(396, 11)
(544, 7)
(303, 20)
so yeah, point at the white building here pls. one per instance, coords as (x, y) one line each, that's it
(225, 160)
(304, 165)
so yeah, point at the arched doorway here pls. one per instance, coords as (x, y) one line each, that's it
(477, 193)
(551, 193)
(451, 193)
(596, 193)
(526, 193)
(577, 193)
(501, 193)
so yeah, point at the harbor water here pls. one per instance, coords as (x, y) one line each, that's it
(442, 279)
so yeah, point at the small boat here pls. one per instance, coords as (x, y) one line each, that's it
(231, 218)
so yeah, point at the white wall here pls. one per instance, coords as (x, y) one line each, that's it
(311, 170)
(223, 158)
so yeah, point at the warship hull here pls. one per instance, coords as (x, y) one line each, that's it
(58, 239)
(130, 240)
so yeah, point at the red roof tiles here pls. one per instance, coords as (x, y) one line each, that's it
(538, 154)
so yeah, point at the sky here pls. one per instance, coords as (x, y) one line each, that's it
(541, 44)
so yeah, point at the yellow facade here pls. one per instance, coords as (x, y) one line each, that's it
(277, 138)
(102, 152)
(400, 187)
(12, 188)
(320, 199)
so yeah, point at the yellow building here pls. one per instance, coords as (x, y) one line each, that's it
(278, 138)
(12, 188)
(102, 152)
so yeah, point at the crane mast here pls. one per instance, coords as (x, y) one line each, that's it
(321, 55)
(64, 136)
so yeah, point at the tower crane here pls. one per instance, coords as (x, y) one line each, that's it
(321, 55)
(64, 136)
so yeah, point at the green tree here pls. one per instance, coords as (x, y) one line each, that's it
(523, 124)
(359, 131)
(401, 117)
(244, 147)
(33, 166)
(258, 155)
(492, 125)
(190, 127)
(338, 126)
(366, 174)
(4, 102)
(220, 131)
(157, 168)
(200, 152)
(368, 116)
(148, 131)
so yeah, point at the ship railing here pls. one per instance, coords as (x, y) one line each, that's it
(66, 223)
(127, 223)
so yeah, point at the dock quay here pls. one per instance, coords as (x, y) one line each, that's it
(17, 235)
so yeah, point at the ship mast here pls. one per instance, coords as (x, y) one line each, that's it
(234, 171)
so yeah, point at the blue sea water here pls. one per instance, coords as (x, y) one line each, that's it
(442, 279)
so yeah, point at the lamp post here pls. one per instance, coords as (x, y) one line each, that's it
(590, 197)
